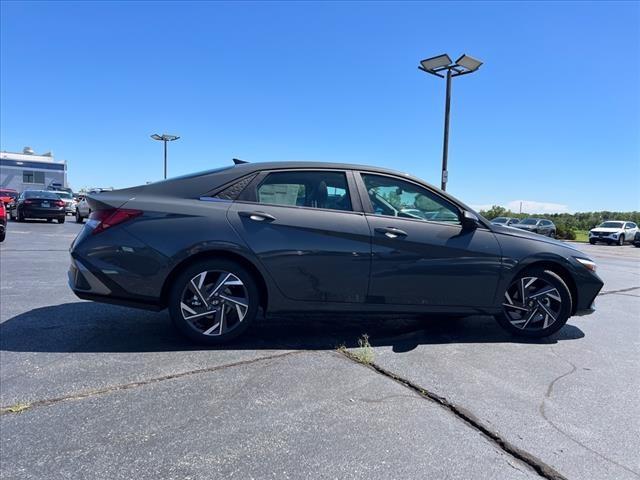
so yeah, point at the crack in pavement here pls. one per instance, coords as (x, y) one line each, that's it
(536, 464)
(612, 292)
(21, 407)
(543, 412)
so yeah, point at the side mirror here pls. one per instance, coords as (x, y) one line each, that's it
(470, 220)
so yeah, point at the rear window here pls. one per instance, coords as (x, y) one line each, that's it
(41, 194)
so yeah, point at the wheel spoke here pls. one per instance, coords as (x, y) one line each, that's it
(550, 292)
(234, 300)
(515, 307)
(198, 315)
(221, 282)
(547, 311)
(197, 290)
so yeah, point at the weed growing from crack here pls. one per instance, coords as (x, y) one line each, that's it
(17, 408)
(363, 354)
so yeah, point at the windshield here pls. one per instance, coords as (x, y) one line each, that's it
(529, 221)
(611, 225)
(66, 195)
(500, 220)
(40, 194)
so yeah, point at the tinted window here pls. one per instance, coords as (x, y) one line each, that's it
(398, 198)
(632, 225)
(500, 220)
(529, 221)
(40, 194)
(306, 189)
(611, 225)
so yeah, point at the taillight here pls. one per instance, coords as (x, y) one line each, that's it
(28, 202)
(100, 220)
(59, 203)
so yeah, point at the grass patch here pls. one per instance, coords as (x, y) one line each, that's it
(582, 236)
(17, 408)
(363, 354)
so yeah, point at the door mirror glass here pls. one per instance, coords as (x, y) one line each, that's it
(470, 220)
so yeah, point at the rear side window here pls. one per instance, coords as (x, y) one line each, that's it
(315, 189)
(234, 190)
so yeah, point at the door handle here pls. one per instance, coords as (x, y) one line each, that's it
(258, 216)
(391, 232)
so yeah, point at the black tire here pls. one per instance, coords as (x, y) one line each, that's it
(20, 216)
(3, 236)
(592, 242)
(62, 219)
(621, 240)
(49, 220)
(178, 289)
(565, 306)
(552, 234)
(79, 218)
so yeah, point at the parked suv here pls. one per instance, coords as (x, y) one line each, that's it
(216, 247)
(505, 221)
(613, 231)
(537, 225)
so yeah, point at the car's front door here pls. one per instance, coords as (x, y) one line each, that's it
(420, 252)
(306, 229)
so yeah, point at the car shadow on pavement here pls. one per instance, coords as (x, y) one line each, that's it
(94, 327)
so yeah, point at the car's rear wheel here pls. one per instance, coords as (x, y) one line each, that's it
(213, 302)
(78, 217)
(537, 303)
(20, 216)
(62, 219)
(621, 240)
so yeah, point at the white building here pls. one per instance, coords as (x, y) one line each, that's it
(28, 171)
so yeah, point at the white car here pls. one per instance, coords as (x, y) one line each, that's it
(611, 231)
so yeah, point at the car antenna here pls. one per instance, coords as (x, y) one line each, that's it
(237, 161)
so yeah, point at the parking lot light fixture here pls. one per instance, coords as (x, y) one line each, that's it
(434, 64)
(437, 66)
(165, 137)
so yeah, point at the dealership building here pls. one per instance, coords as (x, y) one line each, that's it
(28, 171)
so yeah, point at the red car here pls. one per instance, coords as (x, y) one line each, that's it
(3, 221)
(8, 195)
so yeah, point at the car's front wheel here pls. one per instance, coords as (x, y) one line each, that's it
(592, 241)
(214, 301)
(78, 217)
(621, 240)
(537, 303)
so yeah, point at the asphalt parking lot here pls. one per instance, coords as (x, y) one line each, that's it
(100, 391)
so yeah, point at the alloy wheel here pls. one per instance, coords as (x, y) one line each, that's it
(532, 303)
(214, 302)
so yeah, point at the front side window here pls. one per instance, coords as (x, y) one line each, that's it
(398, 198)
(315, 189)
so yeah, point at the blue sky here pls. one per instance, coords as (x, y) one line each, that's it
(552, 117)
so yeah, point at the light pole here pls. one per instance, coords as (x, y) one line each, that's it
(462, 66)
(165, 138)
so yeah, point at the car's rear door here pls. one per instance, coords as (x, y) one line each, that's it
(307, 229)
(421, 255)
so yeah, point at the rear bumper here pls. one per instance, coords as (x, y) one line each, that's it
(43, 212)
(87, 286)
